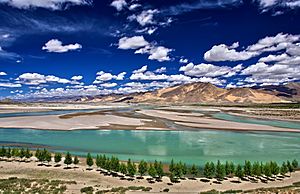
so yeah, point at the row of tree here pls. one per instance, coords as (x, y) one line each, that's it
(176, 170)
(113, 164)
(228, 169)
(15, 152)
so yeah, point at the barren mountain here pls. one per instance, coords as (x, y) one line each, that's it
(201, 93)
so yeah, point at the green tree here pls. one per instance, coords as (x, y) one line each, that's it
(22, 153)
(76, 160)
(28, 154)
(57, 157)
(47, 157)
(159, 169)
(290, 167)
(284, 169)
(15, 152)
(239, 172)
(171, 166)
(220, 170)
(267, 169)
(151, 171)
(115, 164)
(194, 170)
(89, 160)
(131, 168)
(256, 169)
(177, 171)
(295, 164)
(248, 168)
(3, 152)
(123, 168)
(8, 153)
(208, 170)
(68, 159)
(98, 161)
(274, 168)
(143, 168)
(184, 169)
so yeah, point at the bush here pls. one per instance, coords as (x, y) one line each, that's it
(87, 190)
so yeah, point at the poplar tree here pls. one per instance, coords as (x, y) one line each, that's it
(89, 160)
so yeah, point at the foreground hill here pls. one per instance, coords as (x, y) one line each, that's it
(209, 93)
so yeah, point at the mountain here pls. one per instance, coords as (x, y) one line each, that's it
(288, 91)
(203, 93)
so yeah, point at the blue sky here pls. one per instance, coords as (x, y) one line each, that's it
(92, 47)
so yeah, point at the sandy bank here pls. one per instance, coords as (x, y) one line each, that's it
(78, 122)
(197, 121)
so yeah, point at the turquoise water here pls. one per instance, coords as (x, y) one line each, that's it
(188, 146)
(241, 119)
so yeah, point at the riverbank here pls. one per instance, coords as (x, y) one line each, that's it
(99, 181)
(136, 118)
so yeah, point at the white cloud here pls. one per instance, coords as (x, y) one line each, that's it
(279, 42)
(277, 73)
(271, 58)
(145, 18)
(37, 79)
(56, 46)
(48, 4)
(161, 70)
(2, 73)
(103, 76)
(109, 85)
(205, 70)
(183, 60)
(119, 4)
(10, 85)
(223, 52)
(141, 70)
(274, 43)
(158, 53)
(134, 42)
(77, 77)
(134, 6)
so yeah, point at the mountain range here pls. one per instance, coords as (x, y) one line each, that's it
(208, 93)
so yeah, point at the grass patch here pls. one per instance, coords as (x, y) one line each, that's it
(27, 186)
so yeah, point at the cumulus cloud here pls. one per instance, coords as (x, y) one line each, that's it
(77, 77)
(279, 42)
(161, 70)
(183, 60)
(172, 79)
(37, 79)
(271, 58)
(277, 73)
(208, 70)
(267, 4)
(56, 46)
(10, 85)
(274, 43)
(119, 4)
(223, 52)
(48, 4)
(134, 42)
(2, 73)
(104, 76)
(159, 53)
(146, 17)
(109, 85)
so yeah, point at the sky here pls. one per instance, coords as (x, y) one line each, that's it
(61, 48)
